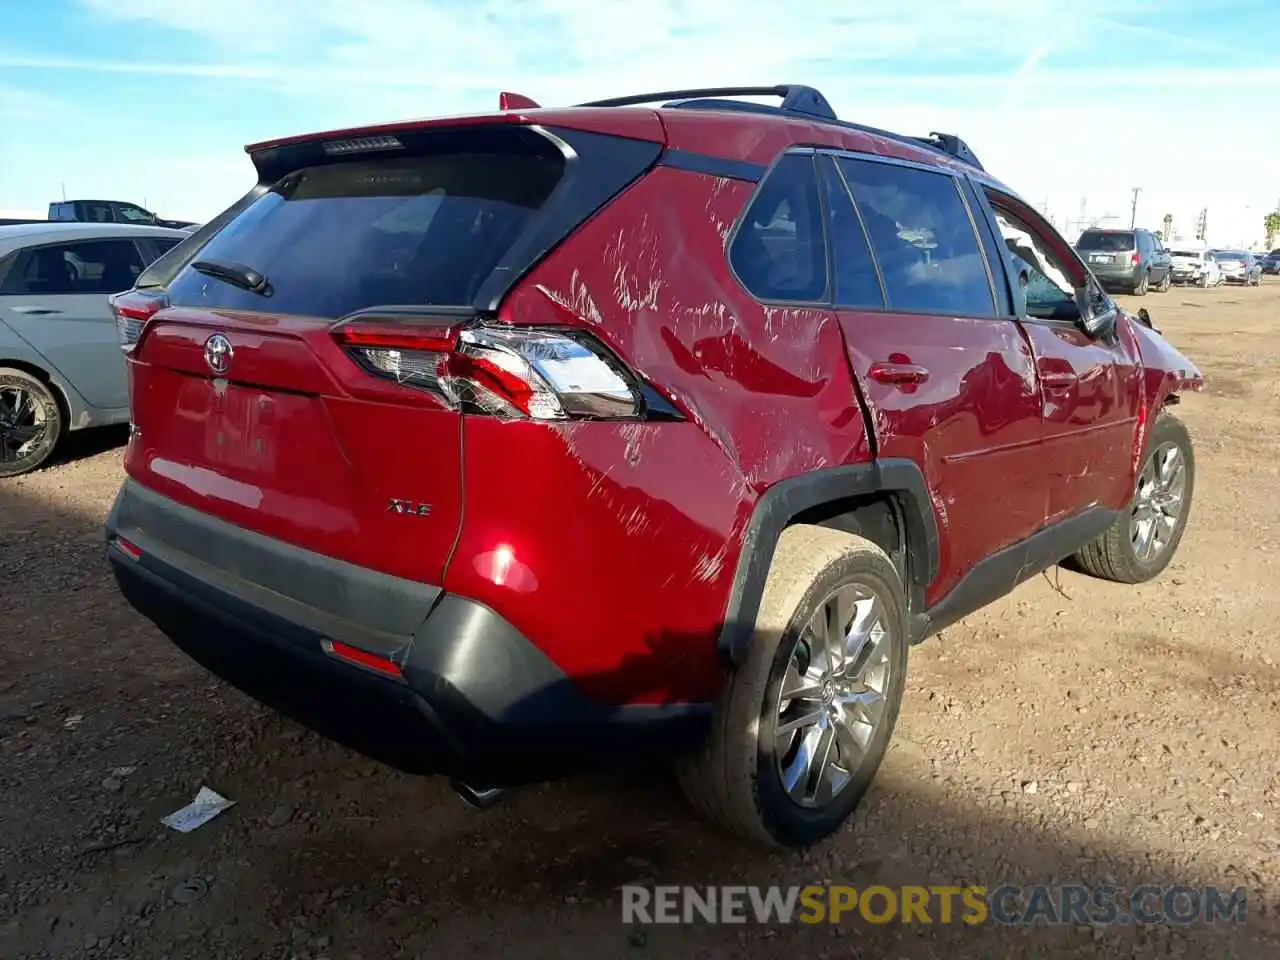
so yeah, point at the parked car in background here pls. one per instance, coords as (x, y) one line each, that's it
(1238, 266)
(109, 211)
(1270, 262)
(1130, 260)
(61, 367)
(1194, 265)
(519, 444)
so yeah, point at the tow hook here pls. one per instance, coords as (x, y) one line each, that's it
(475, 797)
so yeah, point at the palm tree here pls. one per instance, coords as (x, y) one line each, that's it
(1271, 224)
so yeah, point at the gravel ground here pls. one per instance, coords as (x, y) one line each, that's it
(1075, 732)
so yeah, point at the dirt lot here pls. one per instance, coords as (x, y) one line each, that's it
(1091, 734)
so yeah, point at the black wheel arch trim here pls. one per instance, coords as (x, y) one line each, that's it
(782, 502)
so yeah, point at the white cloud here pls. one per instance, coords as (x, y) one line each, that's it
(1042, 90)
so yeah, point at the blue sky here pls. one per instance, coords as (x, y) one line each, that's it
(154, 99)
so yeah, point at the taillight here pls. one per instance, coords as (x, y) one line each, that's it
(1135, 259)
(132, 309)
(537, 374)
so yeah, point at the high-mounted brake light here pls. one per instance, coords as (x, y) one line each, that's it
(520, 373)
(132, 310)
(362, 145)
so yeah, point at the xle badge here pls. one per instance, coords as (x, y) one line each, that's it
(409, 508)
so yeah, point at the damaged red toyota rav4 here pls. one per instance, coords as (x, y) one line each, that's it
(516, 445)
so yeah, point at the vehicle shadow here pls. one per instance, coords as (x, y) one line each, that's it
(83, 444)
(366, 861)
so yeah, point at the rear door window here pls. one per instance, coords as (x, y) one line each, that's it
(856, 282)
(923, 239)
(335, 238)
(88, 266)
(779, 252)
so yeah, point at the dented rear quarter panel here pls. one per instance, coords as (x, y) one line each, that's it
(654, 513)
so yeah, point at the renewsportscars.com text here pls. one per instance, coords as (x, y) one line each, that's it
(972, 905)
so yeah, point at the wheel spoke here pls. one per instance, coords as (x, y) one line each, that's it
(20, 436)
(862, 643)
(1146, 534)
(820, 789)
(801, 686)
(799, 719)
(797, 775)
(841, 609)
(866, 705)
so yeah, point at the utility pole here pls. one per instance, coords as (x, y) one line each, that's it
(64, 190)
(1133, 211)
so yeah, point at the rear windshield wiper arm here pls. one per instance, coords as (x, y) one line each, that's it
(237, 274)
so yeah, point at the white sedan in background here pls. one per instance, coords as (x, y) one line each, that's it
(1197, 267)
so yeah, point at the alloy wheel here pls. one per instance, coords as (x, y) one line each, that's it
(833, 696)
(22, 424)
(1158, 503)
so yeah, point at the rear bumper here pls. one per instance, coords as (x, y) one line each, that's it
(472, 698)
(1120, 275)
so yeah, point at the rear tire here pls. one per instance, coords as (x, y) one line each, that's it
(31, 422)
(1141, 289)
(769, 787)
(1146, 535)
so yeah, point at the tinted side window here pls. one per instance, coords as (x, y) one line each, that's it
(855, 281)
(779, 252)
(163, 245)
(923, 239)
(89, 266)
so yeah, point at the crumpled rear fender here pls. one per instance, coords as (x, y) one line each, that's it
(1167, 371)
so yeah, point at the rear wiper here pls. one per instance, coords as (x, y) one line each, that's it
(237, 274)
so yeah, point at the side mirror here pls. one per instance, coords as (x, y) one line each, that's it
(1097, 313)
(1100, 322)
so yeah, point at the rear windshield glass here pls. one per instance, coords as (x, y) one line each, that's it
(1193, 254)
(1230, 254)
(1105, 241)
(405, 230)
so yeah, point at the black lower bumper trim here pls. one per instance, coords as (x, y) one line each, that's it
(476, 702)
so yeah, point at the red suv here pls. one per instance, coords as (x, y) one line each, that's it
(515, 445)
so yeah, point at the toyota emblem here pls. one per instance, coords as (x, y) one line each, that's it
(218, 353)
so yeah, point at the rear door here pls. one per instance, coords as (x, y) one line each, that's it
(55, 298)
(1090, 387)
(948, 377)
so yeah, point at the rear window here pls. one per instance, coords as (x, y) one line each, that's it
(1106, 241)
(341, 237)
(1193, 254)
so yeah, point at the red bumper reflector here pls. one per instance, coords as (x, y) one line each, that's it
(130, 550)
(362, 658)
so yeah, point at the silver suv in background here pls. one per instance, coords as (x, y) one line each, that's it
(1130, 260)
(61, 366)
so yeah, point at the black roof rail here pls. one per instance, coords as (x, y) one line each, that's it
(951, 144)
(795, 98)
